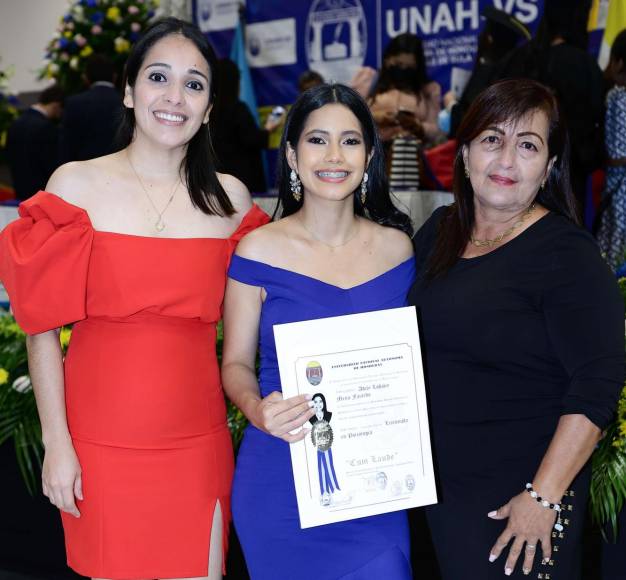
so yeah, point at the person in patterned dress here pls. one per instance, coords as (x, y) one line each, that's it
(612, 232)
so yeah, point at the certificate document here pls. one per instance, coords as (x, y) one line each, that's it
(368, 451)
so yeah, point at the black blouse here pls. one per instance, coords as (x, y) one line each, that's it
(533, 329)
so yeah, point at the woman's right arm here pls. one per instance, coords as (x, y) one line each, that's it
(61, 474)
(272, 414)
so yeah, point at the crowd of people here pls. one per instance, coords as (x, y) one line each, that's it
(143, 247)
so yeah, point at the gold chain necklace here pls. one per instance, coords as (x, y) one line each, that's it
(332, 246)
(488, 243)
(159, 225)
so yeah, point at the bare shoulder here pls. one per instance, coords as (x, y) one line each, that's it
(71, 180)
(237, 192)
(395, 244)
(76, 182)
(264, 244)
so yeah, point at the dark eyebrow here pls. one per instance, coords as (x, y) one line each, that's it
(522, 134)
(192, 71)
(324, 132)
(526, 133)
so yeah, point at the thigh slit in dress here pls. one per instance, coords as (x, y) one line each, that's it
(145, 407)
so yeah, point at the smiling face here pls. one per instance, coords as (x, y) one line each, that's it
(171, 93)
(508, 162)
(318, 407)
(330, 155)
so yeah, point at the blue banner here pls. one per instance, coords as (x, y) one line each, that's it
(336, 37)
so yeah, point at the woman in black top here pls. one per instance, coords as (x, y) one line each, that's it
(524, 340)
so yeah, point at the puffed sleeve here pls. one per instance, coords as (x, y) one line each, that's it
(584, 314)
(44, 260)
(255, 218)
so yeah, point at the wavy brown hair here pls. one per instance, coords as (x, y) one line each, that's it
(503, 102)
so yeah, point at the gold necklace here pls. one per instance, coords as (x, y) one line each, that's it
(159, 225)
(488, 243)
(333, 246)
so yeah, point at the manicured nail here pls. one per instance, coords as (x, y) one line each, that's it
(526, 571)
(508, 571)
(492, 557)
(545, 560)
(492, 514)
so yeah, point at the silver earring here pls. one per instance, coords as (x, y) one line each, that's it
(543, 184)
(296, 185)
(364, 188)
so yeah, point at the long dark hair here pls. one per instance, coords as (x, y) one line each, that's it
(502, 102)
(378, 205)
(205, 189)
(618, 54)
(405, 43)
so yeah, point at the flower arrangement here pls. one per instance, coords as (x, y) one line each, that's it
(608, 479)
(8, 108)
(19, 420)
(103, 26)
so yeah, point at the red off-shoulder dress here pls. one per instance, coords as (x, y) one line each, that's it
(144, 401)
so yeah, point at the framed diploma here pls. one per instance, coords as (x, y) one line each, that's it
(368, 451)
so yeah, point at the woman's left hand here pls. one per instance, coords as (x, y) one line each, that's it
(529, 523)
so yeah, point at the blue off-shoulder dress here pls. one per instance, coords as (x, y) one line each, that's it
(264, 504)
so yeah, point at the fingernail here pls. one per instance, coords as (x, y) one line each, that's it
(545, 560)
(492, 557)
(526, 571)
(492, 514)
(508, 571)
(308, 396)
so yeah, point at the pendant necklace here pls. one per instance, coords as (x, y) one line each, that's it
(159, 225)
(492, 242)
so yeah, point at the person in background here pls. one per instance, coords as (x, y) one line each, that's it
(237, 140)
(339, 248)
(405, 105)
(612, 232)
(523, 329)
(557, 57)
(404, 100)
(501, 34)
(33, 143)
(308, 79)
(90, 119)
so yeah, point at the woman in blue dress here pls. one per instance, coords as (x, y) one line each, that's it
(341, 247)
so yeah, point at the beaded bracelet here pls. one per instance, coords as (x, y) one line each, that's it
(558, 526)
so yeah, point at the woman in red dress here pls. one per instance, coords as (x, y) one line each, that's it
(134, 247)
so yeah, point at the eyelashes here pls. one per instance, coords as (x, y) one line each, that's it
(194, 85)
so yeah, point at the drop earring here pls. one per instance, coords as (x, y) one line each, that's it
(295, 185)
(364, 188)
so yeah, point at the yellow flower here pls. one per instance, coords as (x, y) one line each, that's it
(64, 337)
(4, 376)
(67, 34)
(87, 50)
(121, 44)
(113, 13)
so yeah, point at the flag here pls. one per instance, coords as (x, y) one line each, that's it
(238, 56)
(615, 23)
